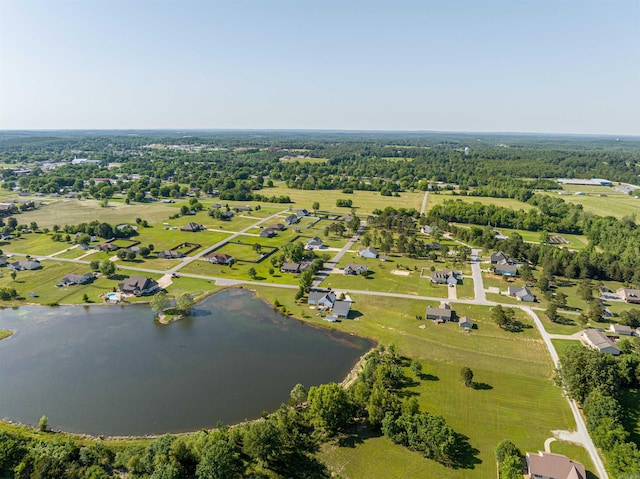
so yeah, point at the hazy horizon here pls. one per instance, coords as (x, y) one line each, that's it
(497, 67)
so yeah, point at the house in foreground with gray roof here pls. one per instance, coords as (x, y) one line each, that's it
(521, 294)
(596, 339)
(73, 279)
(546, 465)
(24, 265)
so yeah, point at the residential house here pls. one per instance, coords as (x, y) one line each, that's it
(108, 247)
(219, 258)
(383, 257)
(546, 465)
(138, 286)
(465, 323)
(522, 294)
(313, 243)
(368, 252)
(24, 265)
(277, 227)
(506, 269)
(499, 258)
(355, 269)
(3, 260)
(267, 233)
(170, 254)
(596, 339)
(226, 215)
(301, 213)
(192, 227)
(442, 313)
(322, 299)
(341, 308)
(291, 220)
(72, 279)
(445, 276)
(428, 230)
(7, 209)
(133, 249)
(629, 295)
(216, 206)
(242, 209)
(621, 329)
(294, 268)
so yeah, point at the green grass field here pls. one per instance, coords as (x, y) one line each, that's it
(612, 203)
(439, 198)
(516, 400)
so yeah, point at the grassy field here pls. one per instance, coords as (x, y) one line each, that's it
(35, 244)
(516, 398)
(363, 201)
(602, 200)
(439, 198)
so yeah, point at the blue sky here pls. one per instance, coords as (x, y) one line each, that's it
(508, 66)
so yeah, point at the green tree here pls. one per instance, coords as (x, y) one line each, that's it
(220, 460)
(131, 255)
(416, 368)
(160, 302)
(315, 206)
(252, 273)
(94, 265)
(43, 424)
(85, 298)
(466, 374)
(108, 268)
(263, 441)
(511, 468)
(585, 290)
(298, 395)
(506, 448)
(552, 312)
(560, 299)
(13, 275)
(330, 407)
(185, 303)
(306, 281)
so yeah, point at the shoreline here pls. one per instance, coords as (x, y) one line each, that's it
(349, 378)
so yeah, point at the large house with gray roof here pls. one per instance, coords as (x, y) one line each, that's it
(596, 339)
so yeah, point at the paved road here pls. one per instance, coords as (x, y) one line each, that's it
(581, 436)
(334, 261)
(476, 271)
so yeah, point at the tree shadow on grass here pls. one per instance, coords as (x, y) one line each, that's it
(429, 377)
(564, 321)
(467, 454)
(482, 386)
(356, 435)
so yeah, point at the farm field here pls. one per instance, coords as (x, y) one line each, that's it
(613, 203)
(440, 197)
(514, 369)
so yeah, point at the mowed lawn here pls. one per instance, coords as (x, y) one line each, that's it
(439, 198)
(602, 201)
(517, 399)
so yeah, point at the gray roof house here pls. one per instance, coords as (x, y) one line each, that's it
(322, 299)
(302, 212)
(170, 254)
(219, 258)
(72, 279)
(341, 308)
(499, 257)
(3, 260)
(291, 219)
(629, 295)
(138, 286)
(192, 227)
(24, 264)
(506, 269)
(443, 314)
(445, 276)
(267, 233)
(621, 329)
(368, 252)
(596, 339)
(355, 269)
(294, 268)
(465, 323)
(522, 294)
(313, 243)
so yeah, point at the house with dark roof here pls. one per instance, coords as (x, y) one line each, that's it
(73, 279)
(226, 215)
(138, 286)
(629, 295)
(506, 269)
(499, 257)
(302, 213)
(446, 276)
(441, 313)
(291, 220)
(193, 227)
(294, 268)
(596, 339)
(7, 209)
(368, 252)
(242, 209)
(4, 260)
(170, 254)
(24, 265)
(277, 227)
(521, 294)
(108, 247)
(355, 269)
(219, 258)
(267, 233)
(546, 465)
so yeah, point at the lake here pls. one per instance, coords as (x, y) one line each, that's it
(113, 370)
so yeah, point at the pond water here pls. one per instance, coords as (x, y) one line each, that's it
(115, 371)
